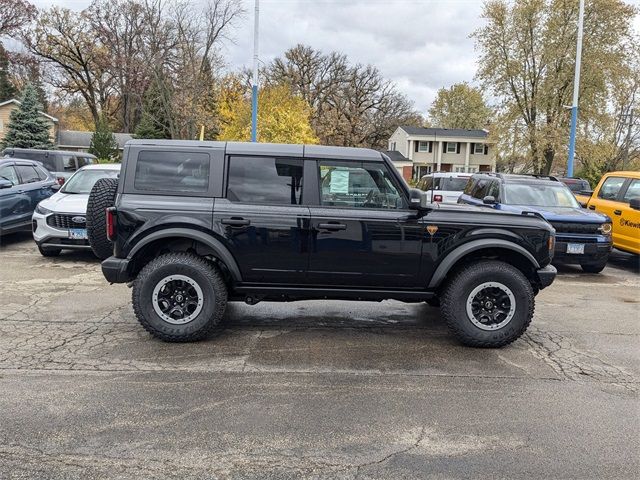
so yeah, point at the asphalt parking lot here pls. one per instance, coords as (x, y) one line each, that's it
(312, 389)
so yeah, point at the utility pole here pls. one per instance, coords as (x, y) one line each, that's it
(627, 142)
(576, 89)
(254, 87)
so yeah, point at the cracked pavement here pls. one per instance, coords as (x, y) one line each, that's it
(318, 389)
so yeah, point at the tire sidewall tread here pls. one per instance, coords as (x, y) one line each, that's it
(208, 277)
(102, 196)
(456, 292)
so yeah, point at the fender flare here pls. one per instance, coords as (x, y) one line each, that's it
(216, 245)
(449, 261)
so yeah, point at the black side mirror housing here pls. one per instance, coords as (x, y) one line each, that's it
(55, 187)
(5, 183)
(635, 203)
(418, 199)
(489, 200)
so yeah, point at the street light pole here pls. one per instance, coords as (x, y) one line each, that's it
(576, 89)
(254, 86)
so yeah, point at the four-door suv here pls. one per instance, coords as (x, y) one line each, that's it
(582, 237)
(62, 164)
(23, 183)
(618, 195)
(198, 224)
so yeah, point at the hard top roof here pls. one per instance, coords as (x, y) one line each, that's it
(279, 149)
(516, 178)
(101, 166)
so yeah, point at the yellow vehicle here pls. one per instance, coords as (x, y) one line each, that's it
(618, 195)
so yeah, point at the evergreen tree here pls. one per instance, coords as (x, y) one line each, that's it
(27, 128)
(155, 123)
(7, 90)
(103, 142)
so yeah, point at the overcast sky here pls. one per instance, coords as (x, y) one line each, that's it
(422, 45)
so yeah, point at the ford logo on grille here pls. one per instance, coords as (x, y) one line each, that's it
(79, 220)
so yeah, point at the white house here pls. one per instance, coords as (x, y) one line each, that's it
(417, 151)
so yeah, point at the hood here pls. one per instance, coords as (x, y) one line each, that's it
(563, 214)
(66, 203)
(483, 216)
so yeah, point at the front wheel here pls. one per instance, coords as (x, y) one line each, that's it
(594, 267)
(488, 304)
(179, 297)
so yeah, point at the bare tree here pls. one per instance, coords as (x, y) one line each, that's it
(15, 14)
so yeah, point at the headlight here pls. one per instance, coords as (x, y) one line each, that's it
(42, 211)
(605, 228)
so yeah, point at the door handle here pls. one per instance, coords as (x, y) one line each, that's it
(592, 207)
(235, 222)
(332, 226)
(617, 212)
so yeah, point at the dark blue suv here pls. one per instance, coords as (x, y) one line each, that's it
(582, 237)
(23, 183)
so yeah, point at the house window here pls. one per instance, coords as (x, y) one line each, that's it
(459, 169)
(393, 146)
(478, 148)
(423, 146)
(472, 170)
(452, 147)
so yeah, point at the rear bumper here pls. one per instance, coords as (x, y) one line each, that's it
(546, 276)
(116, 270)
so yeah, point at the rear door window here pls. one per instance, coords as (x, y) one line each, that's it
(68, 163)
(172, 172)
(83, 161)
(27, 174)
(267, 180)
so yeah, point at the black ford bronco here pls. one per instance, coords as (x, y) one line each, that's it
(194, 225)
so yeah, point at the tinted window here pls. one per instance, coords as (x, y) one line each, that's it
(265, 180)
(480, 188)
(82, 161)
(633, 191)
(610, 188)
(27, 174)
(172, 172)
(364, 186)
(577, 185)
(494, 190)
(425, 183)
(470, 185)
(68, 163)
(9, 173)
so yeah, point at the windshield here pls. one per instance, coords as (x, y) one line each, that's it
(539, 195)
(83, 180)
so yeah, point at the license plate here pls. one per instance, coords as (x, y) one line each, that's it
(78, 233)
(575, 248)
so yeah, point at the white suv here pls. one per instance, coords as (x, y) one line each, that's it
(59, 222)
(444, 187)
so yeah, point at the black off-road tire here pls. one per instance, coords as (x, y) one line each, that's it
(201, 271)
(457, 292)
(49, 252)
(594, 267)
(102, 196)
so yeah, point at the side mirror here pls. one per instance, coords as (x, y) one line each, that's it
(55, 187)
(489, 200)
(5, 183)
(417, 200)
(635, 203)
(588, 193)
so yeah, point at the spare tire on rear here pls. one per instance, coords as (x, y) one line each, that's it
(102, 196)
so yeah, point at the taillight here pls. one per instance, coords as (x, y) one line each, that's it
(437, 198)
(60, 180)
(111, 223)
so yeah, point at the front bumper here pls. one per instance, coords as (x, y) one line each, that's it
(47, 236)
(596, 249)
(546, 276)
(116, 270)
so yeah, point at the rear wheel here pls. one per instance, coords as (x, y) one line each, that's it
(102, 196)
(488, 304)
(179, 297)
